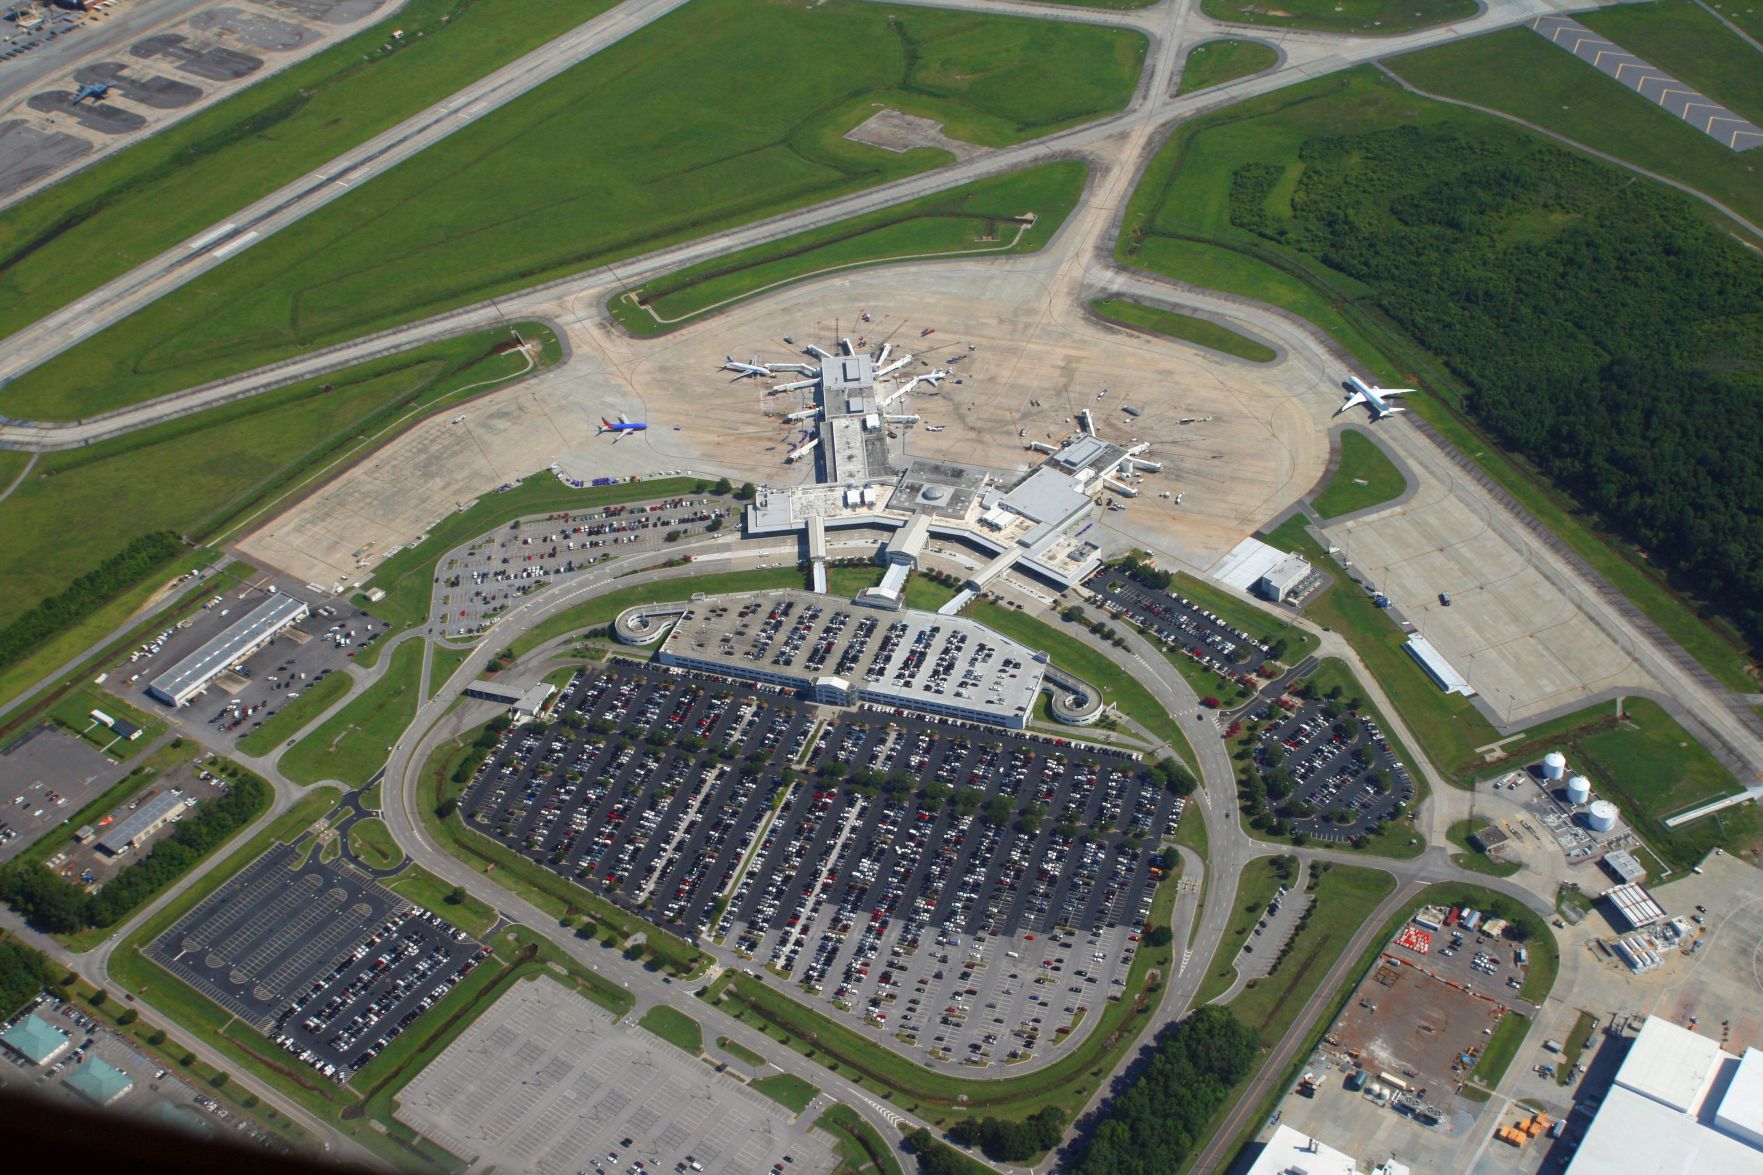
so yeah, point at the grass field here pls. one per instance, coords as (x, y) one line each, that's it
(198, 474)
(978, 217)
(1501, 1047)
(1366, 477)
(443, 663)
(294, 715)
(372, 842)
(102, 220)
(354, 742)
(1652, 768)
(1746, 14)
(1345, 897)
(1547, 86)
(1119, 687)
(787, 1090)
(501, 209)
(73, 713)
(1199, 331)
(1212, 63)
(740, 1052)
(675, 1027)
(1577, 1039)
(1369, 17)
(431, 893)
(939, 1098)
(1472, 858)
(1177, 223)
(1692, 45)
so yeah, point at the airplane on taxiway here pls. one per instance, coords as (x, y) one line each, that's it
(621, 426)
(1376, 399)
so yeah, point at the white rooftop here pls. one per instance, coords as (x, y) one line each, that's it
(1635, 1135)
(1292, 1152)
(1741, 1108)
(1247, 562)
(1442, 672)
(1669, 1064)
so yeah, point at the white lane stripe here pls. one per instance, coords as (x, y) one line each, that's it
(232, 246)
(212, 235)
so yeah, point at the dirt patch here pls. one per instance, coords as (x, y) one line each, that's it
(896, 131)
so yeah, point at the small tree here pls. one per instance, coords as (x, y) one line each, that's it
(722, 487)
(457, 896)
(747, 492)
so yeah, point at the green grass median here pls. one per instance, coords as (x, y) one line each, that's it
(1202, 332)
(1366, 477)
(787, 1090)
(371, 842)
(675, 1027)
(1359, 17)
(294, 716)
(1212, 63)
(353, 743)
(982, 218)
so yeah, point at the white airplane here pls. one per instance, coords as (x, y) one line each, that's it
(745, 370)
(935, 427)
(1374, 398)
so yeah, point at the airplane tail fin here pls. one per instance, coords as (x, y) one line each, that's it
(605, 425)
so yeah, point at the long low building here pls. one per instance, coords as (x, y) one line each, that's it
(143, 822)
(246, 636)
(842, 654)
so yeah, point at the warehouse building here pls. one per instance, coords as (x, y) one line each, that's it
(843, 655)
(1634, 906)
(1278, 582)
(527, 701)
(1443, 673)
(256, 629)
(1680, 1104)
(164, 808)
(36, 1040)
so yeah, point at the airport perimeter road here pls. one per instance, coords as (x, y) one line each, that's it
(1150, 108)
(110, 303)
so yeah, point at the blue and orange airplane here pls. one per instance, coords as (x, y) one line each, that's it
(621, 426)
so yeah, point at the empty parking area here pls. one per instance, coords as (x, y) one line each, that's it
(1337, 775)
(545, 1082)
(956, 889)
(320, 957)
(482, 579)
(46, 776)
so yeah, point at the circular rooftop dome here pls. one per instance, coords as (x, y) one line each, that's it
(934, 493)
(1555, 759)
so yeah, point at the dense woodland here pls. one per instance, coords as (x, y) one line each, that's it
(50, 904)
(23, 973)
(1605, 328)
(1154, 1126)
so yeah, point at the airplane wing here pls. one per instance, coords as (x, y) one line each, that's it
(623, 419)
(1355, 399)
(1395, 391)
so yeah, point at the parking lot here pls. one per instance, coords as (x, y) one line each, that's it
(47, 775)
(156, 1093)
(960, 891)
(329, 964)
(482, 579)
(545, 1082)
(89, 863)
(1343, 778)
(1182, 624)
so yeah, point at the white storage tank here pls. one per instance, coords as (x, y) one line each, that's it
(1579, 790)
(1554, 765)
(1601, 816)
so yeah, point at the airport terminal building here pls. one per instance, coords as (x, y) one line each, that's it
(842, 654)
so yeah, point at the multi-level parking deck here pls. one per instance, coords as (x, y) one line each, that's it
(954, 887)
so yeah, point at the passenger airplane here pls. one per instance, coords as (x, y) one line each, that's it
(1373, 398)
(621, 426)
(745, 370)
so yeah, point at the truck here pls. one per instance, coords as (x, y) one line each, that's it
(1553, 1046)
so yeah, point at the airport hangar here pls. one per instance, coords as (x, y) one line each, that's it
(244, 637)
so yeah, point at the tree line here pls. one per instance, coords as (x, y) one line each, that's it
(48, 903)
(86, 594)
(1605, 327)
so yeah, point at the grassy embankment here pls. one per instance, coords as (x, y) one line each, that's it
(500, 209)
(1201, 332)
(740, 1052)
(1212, 63)
(984, 217)
(1365, 17)
(371, 841)
(860, 1149)
(353, 743)
(1178, 224)
(101, 221)
(1366, 477)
